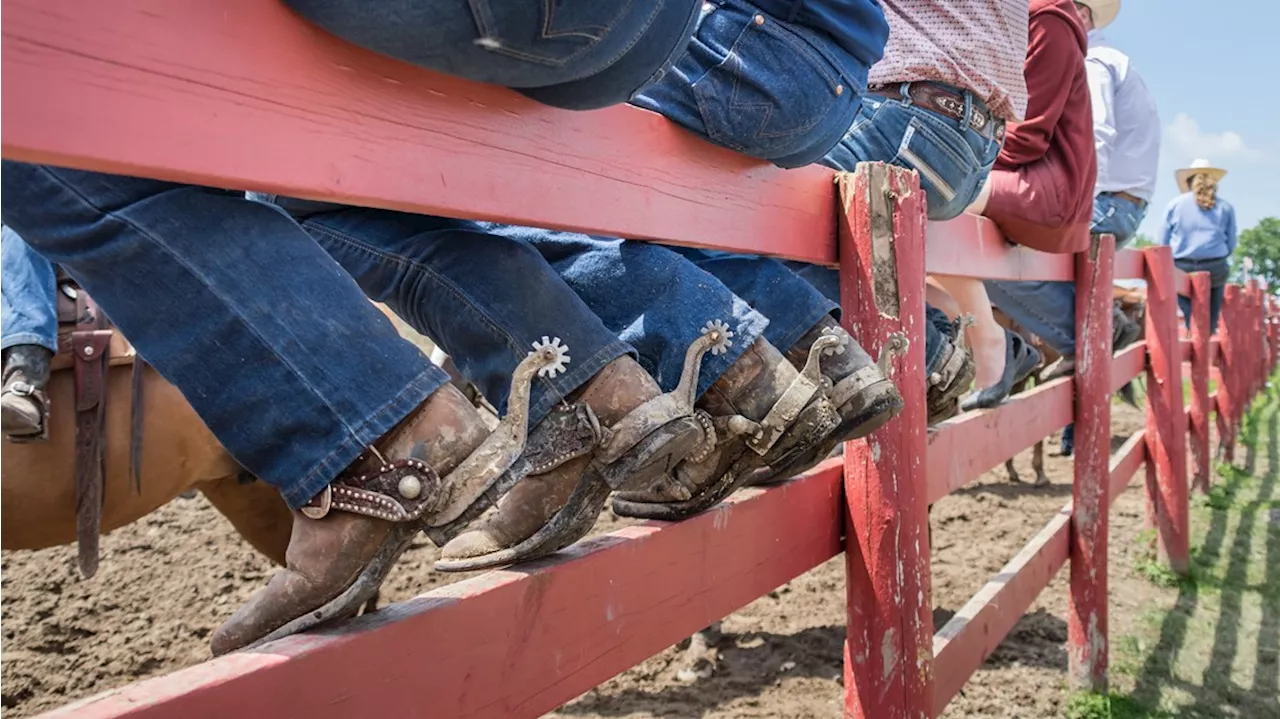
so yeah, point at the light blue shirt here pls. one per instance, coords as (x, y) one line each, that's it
(1126, 124)
(1196, 234)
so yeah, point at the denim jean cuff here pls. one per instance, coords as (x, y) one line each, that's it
(547, 393)
(361, 437)
(29, 338)
(785, 336)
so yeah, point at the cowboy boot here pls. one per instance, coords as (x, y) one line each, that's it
(950, 368)
(861, 392)
(23, 403)
(620, 432)
(337, 560)
(764, 413)
(532, 504)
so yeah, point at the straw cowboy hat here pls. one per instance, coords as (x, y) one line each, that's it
(1198, 167)
(1104, 11)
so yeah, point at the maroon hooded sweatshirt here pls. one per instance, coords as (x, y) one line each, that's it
(1042, 183)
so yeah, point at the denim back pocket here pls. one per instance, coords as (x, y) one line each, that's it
(769, 91)
(546, 32)
(951, 173)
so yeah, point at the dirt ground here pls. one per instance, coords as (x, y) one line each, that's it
(167, 581)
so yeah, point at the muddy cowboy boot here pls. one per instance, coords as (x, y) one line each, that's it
(763, 412)
(437, 470)
(24, 406)
(618, 431)
(859, 387)
(949, 367)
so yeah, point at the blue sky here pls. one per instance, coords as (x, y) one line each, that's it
(1213, 70)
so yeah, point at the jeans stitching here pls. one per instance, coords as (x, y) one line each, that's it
(29, 338)
(731, 60)
(200, 276)
(325, 471)
(428, 273)
(487, 29)
(473, 307)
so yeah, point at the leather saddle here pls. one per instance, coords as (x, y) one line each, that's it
(89, 345)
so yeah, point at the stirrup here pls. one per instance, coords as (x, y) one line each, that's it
(40, 400)
(649, 441)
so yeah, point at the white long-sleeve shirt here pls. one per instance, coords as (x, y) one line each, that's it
(1126, 124)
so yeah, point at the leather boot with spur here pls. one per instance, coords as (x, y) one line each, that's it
(858, 386)
(617, 431)
(24, 406)
(764, 414)
(437, 470)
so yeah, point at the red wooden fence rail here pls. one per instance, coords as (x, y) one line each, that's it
(243, 94)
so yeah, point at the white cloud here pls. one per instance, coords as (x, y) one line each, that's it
(1185, 141)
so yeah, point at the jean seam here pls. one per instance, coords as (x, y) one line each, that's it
(562, 61)
(428, 273)
(178, 259)
(463, 299)
(29, 338)
(326, 469)
(797, 329)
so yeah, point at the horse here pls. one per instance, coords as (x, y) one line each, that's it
(178, 455)
(154, 446)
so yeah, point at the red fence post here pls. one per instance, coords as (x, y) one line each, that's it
(1087, 611)
(1166, 420)
(1200, 362)
(888, 651)
(1257, 361)
(1229, 391)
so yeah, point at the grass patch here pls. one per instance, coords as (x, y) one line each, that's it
(1110, 706)
(1158, 574)
(1209, 645)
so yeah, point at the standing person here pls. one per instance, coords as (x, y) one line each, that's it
(1126, 138)
(1201, 229)
(28, 338)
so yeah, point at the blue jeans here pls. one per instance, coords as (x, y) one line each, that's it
(952, 158)
(1048, 309)
(953, 161)
(650, 296)
(485, 298)
(575, 54)
(272, 340)
(1219, 270)
(772, 89)
(751, 82)
(28, 303)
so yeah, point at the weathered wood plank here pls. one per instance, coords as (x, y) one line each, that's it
(245, 94)
(516, 643)
(888, 668)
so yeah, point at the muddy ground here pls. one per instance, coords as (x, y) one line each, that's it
(167, 581)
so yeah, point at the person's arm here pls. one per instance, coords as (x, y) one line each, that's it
(1102, 93)
(1230, 213)
(1053, 58)
(1166, 230)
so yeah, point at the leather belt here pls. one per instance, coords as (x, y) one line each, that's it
(946, 100)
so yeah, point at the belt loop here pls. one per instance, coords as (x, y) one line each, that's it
(966, 122)
(905, 91)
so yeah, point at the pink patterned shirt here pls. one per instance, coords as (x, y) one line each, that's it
(977, 45)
